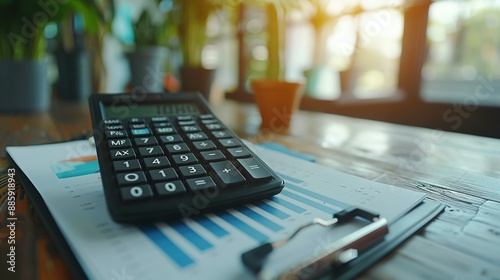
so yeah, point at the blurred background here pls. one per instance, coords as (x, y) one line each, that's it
(425, 63)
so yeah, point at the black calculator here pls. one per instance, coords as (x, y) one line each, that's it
(164, 156)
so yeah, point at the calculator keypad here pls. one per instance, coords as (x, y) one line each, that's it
(159, 157)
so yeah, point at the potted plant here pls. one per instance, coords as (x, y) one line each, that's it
(275, 97)
(23, 69)
(192, 17)
(23, 72)
(148, 58)
(79, 45)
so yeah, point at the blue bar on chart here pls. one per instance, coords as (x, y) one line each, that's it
(318, 196)
(309, 202)
(259, 218)
(242, 226)
(291, 179)
(295, 208)
(273, 210)
(190, 235)
(211, 226)
(166, 245)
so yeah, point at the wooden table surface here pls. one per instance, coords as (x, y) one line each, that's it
(462, 171)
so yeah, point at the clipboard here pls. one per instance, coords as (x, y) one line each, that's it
(353, 254)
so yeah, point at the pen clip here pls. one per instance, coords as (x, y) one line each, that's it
(337, 253)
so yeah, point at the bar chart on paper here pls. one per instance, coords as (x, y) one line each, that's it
(207, 246)
(258, 222)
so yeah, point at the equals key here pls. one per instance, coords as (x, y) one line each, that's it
(255, 168)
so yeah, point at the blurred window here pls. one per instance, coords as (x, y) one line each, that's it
(463, 40)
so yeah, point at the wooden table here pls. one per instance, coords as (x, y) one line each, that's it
(462, 171)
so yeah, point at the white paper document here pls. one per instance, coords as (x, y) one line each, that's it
(209, 246)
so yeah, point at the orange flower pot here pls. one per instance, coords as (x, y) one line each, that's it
(277, 100)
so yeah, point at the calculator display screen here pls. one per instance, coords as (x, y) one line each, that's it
(150, 110)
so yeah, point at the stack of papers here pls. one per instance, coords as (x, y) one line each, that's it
(207, 246)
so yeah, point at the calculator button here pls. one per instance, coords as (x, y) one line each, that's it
(196, 136)
(198, 184)
(163, 174)
(209, 121)
(186, 123)
(112, 122)
(122, 154)
(165, 130)
(162, 124)
(116, 134)
(184, 159)
(229, 143)
(177, 148)
(140, 131)
(156, 162)
(190, 128)
(239, 152)
(213, 156)
(227, 173)
(184, 118)
(255, 169)
(136, 193)
(206, 116)
(170, 188)
(192, 171)
(171, 139)
(145, 141)
(136, 120)
(114, 127)
(119, 143)
(131, 178)
(126, 165)
(150, 151)
(204, 145)
(159, 119)
(138, 125)
(214, 126)
(222, 134)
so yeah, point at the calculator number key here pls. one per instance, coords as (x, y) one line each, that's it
(134, 193)
(126, 165)
(177, 148)
(145, 141)
(192, 171)
(185, 159)
(166, 174)
(131, 178)
(156, 162)
(150, 151)
(170, 188)
(171, 139)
